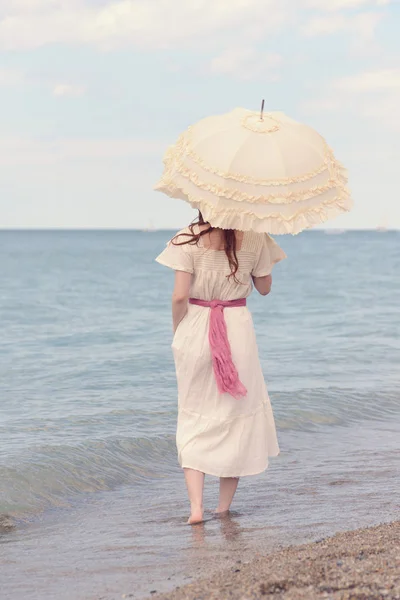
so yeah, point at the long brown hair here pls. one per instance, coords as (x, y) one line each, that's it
(229, 237)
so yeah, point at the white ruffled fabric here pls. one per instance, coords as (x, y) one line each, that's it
(276, 176)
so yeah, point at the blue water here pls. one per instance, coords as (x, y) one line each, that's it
(88, 409)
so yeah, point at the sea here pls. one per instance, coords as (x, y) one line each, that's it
(93, 504)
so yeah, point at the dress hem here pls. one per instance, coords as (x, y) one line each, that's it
(207, 472)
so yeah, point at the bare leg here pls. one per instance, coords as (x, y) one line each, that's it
(227, 489)
(195, 484)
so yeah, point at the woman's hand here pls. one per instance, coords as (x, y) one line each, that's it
(180, 297)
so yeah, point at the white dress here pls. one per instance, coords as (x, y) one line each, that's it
(216, 433)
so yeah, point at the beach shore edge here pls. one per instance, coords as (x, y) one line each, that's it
(363, 564)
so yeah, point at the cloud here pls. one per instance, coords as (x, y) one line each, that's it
(31, 151)
(10, 77)
(8, 6)
(13, 78)
(64, 89)
(361, 25)
(144, 23)
(333, 5)
(247, 63)
(162, 24)
(372, 95)
(370, 81)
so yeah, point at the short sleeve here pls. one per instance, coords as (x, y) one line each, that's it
(177, 257)
(268, 255)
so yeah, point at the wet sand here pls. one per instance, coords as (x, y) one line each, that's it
(356, 565)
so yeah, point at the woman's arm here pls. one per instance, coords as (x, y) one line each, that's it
(180, 297)
(263, 284)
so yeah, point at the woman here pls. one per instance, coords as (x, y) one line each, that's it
(225, 423)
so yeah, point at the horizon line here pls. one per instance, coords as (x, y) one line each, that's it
(156, 229)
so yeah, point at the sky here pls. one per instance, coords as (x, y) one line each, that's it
(93, 91)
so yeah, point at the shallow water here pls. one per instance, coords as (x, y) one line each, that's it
(88, 470)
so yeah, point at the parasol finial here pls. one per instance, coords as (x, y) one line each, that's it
(262, 111)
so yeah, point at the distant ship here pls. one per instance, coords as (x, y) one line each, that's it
(150, 228)
(382, 228)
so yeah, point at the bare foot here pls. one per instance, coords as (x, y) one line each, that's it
(222, 512)
(196, 516)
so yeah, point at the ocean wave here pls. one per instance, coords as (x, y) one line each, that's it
(77, 455)
(53, 476)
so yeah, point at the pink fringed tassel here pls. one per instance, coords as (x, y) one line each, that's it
(226, 374)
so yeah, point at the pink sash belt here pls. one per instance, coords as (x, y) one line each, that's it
(225, 372)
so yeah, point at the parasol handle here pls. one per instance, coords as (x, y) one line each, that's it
(262, 111)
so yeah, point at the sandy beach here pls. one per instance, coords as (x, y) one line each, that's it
(363, 564)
